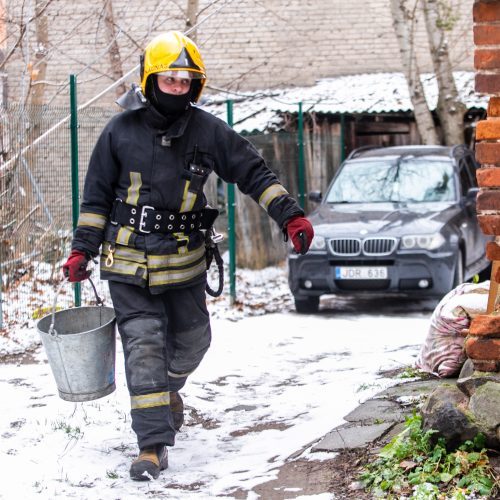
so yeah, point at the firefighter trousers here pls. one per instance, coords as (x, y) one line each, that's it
(164, 339)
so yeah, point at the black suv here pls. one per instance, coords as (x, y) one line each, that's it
(395, 220)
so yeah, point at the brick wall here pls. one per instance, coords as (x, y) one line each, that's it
(247, 45)
(483, 342)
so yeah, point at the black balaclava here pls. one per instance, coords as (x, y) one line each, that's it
(169, 105)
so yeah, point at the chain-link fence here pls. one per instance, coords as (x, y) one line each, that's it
(35, 206)
(36, 203)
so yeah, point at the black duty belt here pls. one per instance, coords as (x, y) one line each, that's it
(146, 219)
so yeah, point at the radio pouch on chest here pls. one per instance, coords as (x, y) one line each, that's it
(198, 176)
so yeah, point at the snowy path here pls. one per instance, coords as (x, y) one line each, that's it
(268, 386)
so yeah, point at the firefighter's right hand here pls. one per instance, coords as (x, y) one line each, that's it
(75, 268)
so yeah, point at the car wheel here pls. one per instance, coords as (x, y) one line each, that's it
(458, 277)
(306, 305)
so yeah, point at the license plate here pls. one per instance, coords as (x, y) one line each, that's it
(360, 273)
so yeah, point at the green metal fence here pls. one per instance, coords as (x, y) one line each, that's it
(36, 198)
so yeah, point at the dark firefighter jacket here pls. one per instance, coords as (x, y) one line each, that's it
(140, 161)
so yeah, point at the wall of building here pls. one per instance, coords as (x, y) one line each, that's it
(247, 44)
(483, 342)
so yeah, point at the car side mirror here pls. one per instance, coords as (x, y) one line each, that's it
(315, 196)
(472, 193)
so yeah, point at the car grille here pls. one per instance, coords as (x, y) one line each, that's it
(379, 246)
(345, 246)
(373, 247)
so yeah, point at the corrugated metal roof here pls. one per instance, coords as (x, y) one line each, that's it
(362, 93)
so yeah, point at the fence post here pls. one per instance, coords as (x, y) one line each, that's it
(74, 169)
(300, 127)
(231, 223)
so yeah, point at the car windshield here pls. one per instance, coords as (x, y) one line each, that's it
(407, 180)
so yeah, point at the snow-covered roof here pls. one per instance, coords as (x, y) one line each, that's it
(362, 93)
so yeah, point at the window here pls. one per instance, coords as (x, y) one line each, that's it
(412, 180)
(466, 181)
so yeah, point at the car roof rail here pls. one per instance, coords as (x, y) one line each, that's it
(355, 152)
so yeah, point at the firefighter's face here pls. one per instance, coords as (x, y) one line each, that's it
(173, 85)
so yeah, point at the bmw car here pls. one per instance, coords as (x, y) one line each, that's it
(394, 220)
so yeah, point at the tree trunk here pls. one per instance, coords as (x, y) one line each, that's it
(450, 109)
(39, 68)
(191, 17)
(22, 231)
(402, 20)
(113, 51)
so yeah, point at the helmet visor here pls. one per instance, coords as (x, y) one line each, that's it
(182, 73)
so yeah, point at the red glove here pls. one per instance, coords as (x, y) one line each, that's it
(75, 268)
(301, 233)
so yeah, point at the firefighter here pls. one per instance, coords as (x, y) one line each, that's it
(145, 212)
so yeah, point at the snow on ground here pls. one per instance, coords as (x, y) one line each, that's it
(271, 384)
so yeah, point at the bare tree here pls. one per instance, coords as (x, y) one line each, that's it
(21, 26)
(439, 20)
(39, 67)
(404, 19)
(114, 50)
(191, 17)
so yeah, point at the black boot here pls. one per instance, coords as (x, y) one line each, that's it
(150, 462)
(177, 409)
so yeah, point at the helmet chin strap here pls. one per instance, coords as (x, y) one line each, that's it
(168, 105)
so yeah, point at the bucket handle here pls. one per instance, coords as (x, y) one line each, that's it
(52, 331)
(98, 300)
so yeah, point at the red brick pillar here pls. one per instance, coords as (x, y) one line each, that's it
(483, 342)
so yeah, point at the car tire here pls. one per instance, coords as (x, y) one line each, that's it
(306, 305)
(458, 277)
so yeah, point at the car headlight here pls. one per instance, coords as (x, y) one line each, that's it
(422, 241)
(318, 243)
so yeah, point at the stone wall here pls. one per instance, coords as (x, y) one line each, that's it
(246, 45)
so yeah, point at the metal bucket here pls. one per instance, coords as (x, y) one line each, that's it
(80, 347)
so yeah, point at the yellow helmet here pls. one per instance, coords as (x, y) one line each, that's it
(174, 54)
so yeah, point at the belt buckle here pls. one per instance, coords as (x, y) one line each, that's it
(143, 216)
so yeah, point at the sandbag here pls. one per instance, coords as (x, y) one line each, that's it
(442, 354)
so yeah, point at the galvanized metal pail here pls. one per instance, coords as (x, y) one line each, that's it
(80, 347)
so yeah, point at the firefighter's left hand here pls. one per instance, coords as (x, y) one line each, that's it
(301, 233)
